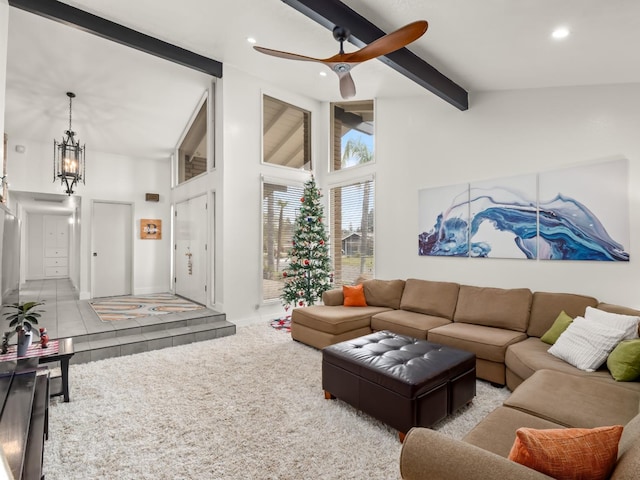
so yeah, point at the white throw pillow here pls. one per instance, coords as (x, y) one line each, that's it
(586, 344)
(628, 323)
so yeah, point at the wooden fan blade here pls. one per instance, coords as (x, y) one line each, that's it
(389, 43)
(290, 56)
(347, 87)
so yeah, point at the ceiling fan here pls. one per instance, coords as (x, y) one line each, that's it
(342, 63)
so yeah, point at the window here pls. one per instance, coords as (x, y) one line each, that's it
(352, 231)
(192, 152)
(352, 139)
(280, 206)
(286, 134)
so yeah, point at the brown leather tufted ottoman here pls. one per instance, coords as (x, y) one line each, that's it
(400, 380)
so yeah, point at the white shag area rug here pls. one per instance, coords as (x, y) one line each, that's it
(248, 406)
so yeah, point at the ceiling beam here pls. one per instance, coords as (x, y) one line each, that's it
(353, 121)
(85, 21)
(330, 13)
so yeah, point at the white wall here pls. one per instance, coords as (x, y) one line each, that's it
(4, 32)
(113, 178)
(241, 259)
(424, 142)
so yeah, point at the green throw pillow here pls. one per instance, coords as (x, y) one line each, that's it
(559, 326)
(624, 361)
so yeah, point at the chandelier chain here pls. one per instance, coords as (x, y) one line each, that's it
(70, 100)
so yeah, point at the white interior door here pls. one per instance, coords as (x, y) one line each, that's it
(191, 249)
(112, 244)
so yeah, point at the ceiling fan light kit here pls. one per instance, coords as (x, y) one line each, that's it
(342, 63)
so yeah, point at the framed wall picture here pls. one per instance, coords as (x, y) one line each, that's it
(150, 229)
(503, 216)
(444, 221)
(584, 212)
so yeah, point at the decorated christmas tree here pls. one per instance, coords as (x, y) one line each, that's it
(309, 272)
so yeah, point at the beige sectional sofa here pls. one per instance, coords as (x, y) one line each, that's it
(548, 399)
(503, 328)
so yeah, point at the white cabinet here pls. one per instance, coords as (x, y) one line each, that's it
(56, 246)
(55, 262)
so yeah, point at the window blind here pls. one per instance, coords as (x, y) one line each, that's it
(352, 231)
(280, 206)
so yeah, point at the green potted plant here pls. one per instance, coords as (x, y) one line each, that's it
(21, 320)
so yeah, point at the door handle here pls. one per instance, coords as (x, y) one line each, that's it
(95, 254)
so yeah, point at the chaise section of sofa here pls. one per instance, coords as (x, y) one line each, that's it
(548, 399)
(324, 325)
(486, 321)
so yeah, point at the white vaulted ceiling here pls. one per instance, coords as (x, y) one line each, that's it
(140, 104)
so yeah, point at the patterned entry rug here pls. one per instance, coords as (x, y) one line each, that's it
(128, 307)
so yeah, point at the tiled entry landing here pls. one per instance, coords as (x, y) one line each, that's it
(66, 316)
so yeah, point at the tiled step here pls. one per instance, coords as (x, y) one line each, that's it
(151, 333)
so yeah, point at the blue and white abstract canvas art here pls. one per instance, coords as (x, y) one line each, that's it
(584, 212)
(444, 221)
(503, 214)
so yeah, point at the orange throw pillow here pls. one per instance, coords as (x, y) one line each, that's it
(568, 453)
(353, 296)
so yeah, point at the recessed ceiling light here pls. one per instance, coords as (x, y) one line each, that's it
(323, 74)
(560, 33)
(251, 40)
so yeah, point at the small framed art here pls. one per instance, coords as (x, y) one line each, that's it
(150, 229)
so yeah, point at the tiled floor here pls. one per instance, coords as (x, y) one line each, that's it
(63, 315)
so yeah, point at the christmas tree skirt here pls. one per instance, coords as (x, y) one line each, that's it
(283, 323)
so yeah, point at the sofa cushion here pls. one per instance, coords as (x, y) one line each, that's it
(628, 323)
(383, 293)
(334, 320)
(494, 307)
(407, 323)
(568, 453)
(586, 344)
(431, 298)
(574, 401)
(559, 326)
(333, 297)
(487, 343)
(624, 361)
(316, 338)
(497, 431)
(527, 357)
(353, 296)
(546, 306)
(610, 307)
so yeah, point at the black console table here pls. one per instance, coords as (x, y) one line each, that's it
(24, 399)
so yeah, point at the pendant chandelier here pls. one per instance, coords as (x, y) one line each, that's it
(68, 157)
